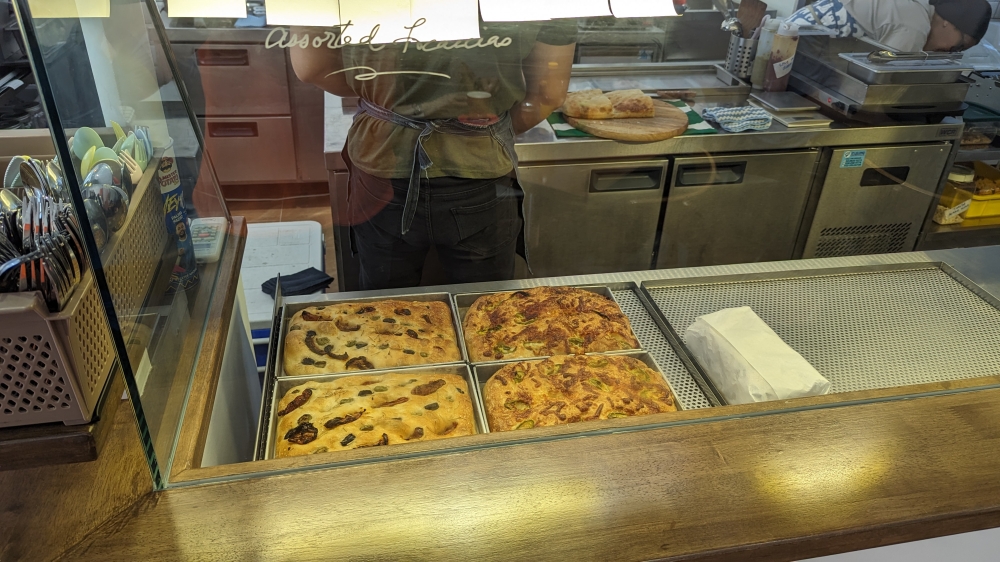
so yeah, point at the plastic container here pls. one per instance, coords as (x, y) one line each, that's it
(957, 196)
(779, 64)
(767, 30)
(978, 136)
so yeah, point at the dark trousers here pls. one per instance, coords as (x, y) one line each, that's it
(473, 225)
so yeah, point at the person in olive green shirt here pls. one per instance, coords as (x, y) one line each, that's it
(431, 152)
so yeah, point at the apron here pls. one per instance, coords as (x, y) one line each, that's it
(502, 132)
(830, 14)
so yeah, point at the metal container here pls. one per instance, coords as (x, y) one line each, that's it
(483, 371)
(904, 72)
(820, 73)
(278, 387)
(462, 302)
(291, 305)
(739, 58)
(874, 199)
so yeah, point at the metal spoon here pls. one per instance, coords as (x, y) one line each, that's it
(8, 201)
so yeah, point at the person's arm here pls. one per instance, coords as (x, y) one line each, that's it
(546, 78)
(317, 65)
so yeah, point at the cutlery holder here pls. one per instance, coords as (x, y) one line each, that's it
(54, 366)
(739, 58)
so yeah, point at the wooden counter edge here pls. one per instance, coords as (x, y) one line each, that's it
(201, 398)
(193, 473)
(850, 540)
(233, 512)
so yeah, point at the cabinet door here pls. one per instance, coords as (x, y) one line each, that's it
(251, 150)
(591, 218)
(234, 79)
(735, 208)
(875, 200)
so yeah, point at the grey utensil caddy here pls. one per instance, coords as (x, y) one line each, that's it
(54, 366)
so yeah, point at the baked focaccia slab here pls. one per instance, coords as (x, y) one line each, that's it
(357, 411)
(572, 388)
(618, 104)
(545, 321)
(369, 335)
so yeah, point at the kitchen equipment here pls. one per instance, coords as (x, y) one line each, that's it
(874, 200)
(821, 74)
(739, 58)
(768, 28)
(668, 123)
(777, 102)
(913, 70)
(779, 63)
(700, 79)
(570, 208)
(732, 25)
(737, 208)
(803, 120)
(750, 14)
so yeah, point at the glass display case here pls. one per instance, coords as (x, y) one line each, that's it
(535, 239)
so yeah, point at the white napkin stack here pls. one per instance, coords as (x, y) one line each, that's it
(747, 361)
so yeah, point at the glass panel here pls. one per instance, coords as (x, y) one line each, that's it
(670, 167)
(143, 188)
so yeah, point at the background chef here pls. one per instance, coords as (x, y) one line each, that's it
(903, 25)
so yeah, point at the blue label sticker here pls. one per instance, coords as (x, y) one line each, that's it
(853, 159)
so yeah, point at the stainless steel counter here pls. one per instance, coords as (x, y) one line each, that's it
(541, 145)
(889, 319)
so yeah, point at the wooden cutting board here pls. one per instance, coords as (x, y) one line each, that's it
(668, 123)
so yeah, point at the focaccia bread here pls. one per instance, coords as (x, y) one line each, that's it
(572, 388)
(618, 104)
(369, 335)
(371, 410)
(545, 321)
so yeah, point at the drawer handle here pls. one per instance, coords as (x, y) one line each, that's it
(223, 57)
(711, 174)
(226, 130)
(625, 180)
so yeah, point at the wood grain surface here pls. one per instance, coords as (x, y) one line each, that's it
(45, 511)
(771, 487)
(205, 379)
(668, 123)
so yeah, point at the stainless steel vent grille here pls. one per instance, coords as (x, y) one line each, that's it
(862, 240)
(862, 331)
(688, 393)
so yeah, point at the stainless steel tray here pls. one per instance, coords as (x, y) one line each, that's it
(462, 302)
(863, 328)
(278, 388)
(483, 371)
(291, 305)
(909, 72)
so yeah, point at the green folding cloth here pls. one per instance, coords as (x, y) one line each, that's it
(696, 125)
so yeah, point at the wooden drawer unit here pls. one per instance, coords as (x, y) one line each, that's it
(258, 149)
(225, 80)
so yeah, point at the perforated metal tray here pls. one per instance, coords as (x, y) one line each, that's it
(862, 328)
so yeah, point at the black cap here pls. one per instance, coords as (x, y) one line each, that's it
(971, 17)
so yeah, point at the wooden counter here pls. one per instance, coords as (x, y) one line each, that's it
(777, 487)
(764, 483)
